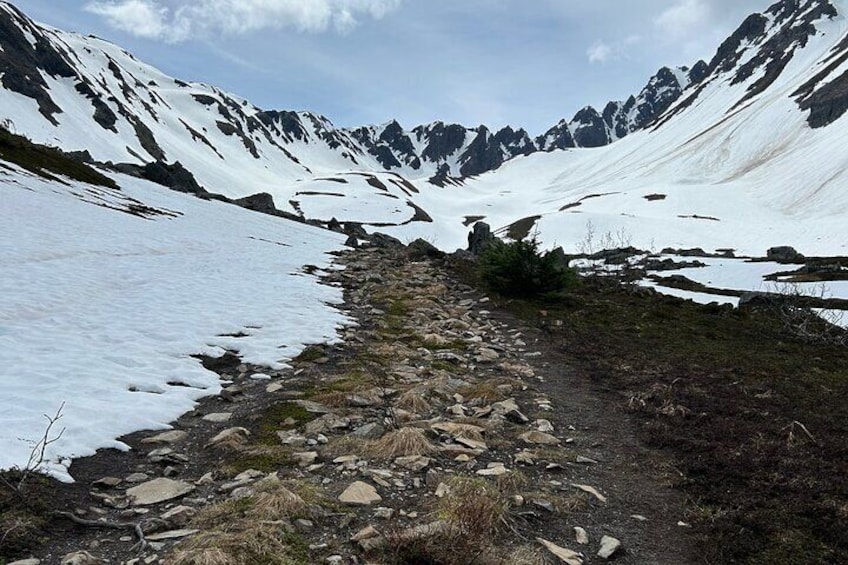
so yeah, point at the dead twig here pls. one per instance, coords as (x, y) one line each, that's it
(791, 427)
(136, 527)
(36, 457)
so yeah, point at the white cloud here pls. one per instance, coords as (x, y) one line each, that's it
(683, 19)
(600, 52)
(603, 52)
(152, 19)
(139, 17)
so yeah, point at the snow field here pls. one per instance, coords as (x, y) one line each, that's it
(102, 310)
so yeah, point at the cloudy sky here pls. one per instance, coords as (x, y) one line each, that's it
(521, 62)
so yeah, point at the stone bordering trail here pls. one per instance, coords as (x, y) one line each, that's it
(365, 447)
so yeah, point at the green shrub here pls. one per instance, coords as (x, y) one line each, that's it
(518, 268)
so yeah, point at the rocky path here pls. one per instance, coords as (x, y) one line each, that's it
(440, 431)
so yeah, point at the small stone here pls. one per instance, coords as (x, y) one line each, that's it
(260, 377)
(173, 534)
(172, 436)
(158, 490)
(274, 387)
(360, 494)
(304, 525)
(26, 562)
(538, 438)
(639, 517)
(137, 478)
(472, 443)
(334, 559)
(383, 513)
(609, 545)
(312, 407)
(487, 355)
(493, 470)
(306, 458)
(108, 482)
(455, 429)
(179, 516)
(365, 533)
(80, 558)
(565, 555)
(414, 463)
(544, 426)
(545, 505)
(371, 430)
(591, 490)
(218, 417)
(457, 410)
(359, 401)
(581, 536)
(525, 457)
(442, 490)
(517, 417)
(585, 460)
(230, 434)
(289, 437)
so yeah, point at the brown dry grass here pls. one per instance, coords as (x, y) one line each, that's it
(414, 401)
(485, 392)
(529, 555)
(238, 545)
(513, 482)
(344, 445)
(401, 443)
(470, 518)
(276, 502)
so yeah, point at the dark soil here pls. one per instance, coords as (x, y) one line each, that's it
(754, 423)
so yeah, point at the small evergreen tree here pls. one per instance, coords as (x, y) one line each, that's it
(518, 269)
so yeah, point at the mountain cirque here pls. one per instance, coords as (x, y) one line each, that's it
(439, 403)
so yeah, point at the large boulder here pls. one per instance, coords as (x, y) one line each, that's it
(784, 254)
(422, 249)
(260, 202)
(480, 238)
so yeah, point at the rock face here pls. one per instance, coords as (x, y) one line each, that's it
(120, 100)
(103, 85)
(591, 128)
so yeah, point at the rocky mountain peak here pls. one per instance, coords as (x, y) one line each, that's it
(130, 109)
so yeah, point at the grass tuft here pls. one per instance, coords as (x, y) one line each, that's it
(401, 443)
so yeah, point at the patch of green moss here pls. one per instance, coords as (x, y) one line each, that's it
(267, 460)
(310, 354)
(298, 548)
(792, 547)
(275, 419)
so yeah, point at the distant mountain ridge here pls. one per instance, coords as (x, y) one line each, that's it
(780, 77)
(125, 96)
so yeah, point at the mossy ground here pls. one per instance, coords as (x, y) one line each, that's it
(756, 420)
(47, 162)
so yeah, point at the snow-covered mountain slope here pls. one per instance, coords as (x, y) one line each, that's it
(753, 156)
(107, 294)
(57, 85)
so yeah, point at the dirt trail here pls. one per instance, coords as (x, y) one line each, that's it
(490, 398)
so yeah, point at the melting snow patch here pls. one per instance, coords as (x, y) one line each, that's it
(103, 310)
